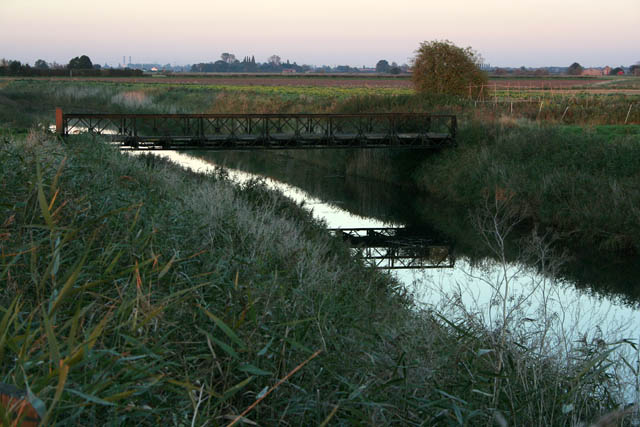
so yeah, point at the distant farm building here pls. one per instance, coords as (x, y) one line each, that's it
(592, 72)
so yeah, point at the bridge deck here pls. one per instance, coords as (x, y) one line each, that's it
(229, 131)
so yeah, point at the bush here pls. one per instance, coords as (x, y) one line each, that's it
(443, 68)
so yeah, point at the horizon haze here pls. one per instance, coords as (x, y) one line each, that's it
(356, 33)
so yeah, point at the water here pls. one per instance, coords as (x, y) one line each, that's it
(551, 312)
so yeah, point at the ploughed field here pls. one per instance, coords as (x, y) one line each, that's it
(594, 85)
(273, 80)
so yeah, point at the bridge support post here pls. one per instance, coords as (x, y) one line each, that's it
(59, 121)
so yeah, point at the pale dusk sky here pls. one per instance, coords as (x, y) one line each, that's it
(332, 32)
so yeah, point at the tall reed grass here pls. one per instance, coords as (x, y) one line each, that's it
(136, 292)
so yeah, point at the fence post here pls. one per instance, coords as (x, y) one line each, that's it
(59, 121)
(628, 112)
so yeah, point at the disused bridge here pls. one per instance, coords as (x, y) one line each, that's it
(241, 131)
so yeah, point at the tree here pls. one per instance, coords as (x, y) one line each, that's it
(80, 63)
(274, 60)
(383, 66)
(14, 67)
(635, 69)
(618, 71)
(229, 58)
(575, 69)
(443, 68)
(41, 65)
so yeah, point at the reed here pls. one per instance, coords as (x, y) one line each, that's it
(136, 292)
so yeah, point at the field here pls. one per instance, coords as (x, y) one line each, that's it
(588, 84)
(29, 101)
(334, 81)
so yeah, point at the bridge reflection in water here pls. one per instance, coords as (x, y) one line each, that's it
(398, 247)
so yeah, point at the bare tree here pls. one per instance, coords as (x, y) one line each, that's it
(274, 60)
(229, 58)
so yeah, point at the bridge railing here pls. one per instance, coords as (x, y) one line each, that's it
(218, 130)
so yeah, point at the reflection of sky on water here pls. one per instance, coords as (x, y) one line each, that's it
(574, 313)
(334, 216)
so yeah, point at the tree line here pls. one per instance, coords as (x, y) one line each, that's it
(228, 63)
(80, 66)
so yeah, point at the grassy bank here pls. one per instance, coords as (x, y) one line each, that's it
(136, 292)
(583, 182)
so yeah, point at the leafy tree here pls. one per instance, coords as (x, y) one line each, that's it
(443, 68)
(80, 63)
(383, 66)
(575, 69)
(14, 67)
(395, 70)
(635, 69)
(41, 65)
(616, 71)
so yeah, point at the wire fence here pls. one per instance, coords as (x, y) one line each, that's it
(556, 104)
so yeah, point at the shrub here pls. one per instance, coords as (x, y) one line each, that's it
(443, 68)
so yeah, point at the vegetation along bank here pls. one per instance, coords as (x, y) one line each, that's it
(136, 292)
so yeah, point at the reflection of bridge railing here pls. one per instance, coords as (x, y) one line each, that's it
(228, 131)
(398, 248)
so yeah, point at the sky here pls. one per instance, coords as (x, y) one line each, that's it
(327, 32)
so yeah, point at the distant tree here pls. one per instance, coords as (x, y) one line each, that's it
(395, 70)
(14, 67)
(274, 60)
(541, 72)
(575, 69)
(345, 69)
(383, 66)
(443, 68)
(229, 58)
(635, 69)
(80, 63)
(41, 65)
(500, 72)
(616, 71)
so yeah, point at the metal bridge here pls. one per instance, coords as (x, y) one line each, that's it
(398, 248)
(260, 131)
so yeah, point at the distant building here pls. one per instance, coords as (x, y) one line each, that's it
(289, 71)
(606, 70)
(591, 72)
